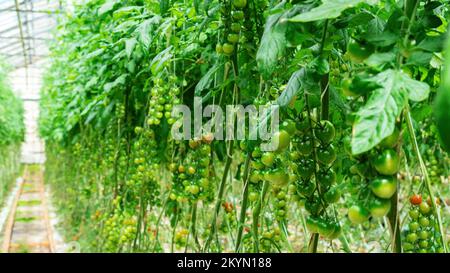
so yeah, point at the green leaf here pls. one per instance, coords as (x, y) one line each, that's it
(293, 88)
(420, 58)
(119, 81)
(378, 60)
(130, 44)
(301, 83)
(125, 11)
(160, 60)
(432, 43)
(164, 6)
(376, 119)
(417, 91)
(328, 10)
(206, 80)
(107, 7)
(442, 103)
(383, 39)
(145, 30)
(273, 44)
(362, 18)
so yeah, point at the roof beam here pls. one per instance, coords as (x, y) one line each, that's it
(31, 11)
(21, 54)
(25, 38)
(19, 20)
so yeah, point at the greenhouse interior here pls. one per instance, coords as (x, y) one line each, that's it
(224, 126)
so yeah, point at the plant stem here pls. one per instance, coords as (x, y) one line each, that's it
(193, 225)
(394, 225)
(219, 197)
(256, 212)
(313, 242)
(241, 222)
(424, 170)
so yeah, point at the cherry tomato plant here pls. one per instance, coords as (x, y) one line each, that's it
(357, 154)
(12, 132)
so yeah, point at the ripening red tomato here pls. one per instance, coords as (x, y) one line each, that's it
(416, 199)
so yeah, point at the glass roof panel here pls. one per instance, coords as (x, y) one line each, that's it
(25, 29)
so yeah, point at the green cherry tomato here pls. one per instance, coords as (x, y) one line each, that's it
(257, 165)
(238, 15)
(240, 4)
(235, 27)
(325, 132)
(233, 38)
(346, 91)
(379, 207)
(424, 234)
(227, 48)
(387, 162)
(325, 228)
(414, 214)
(194, 189)
(312, 224)
(424, 222)
(312, 207)
(384, 187)
(332, 195)
(278, 177)
(289, 126)
(424, 208)
(408, 247)
(307, 190)
(412, 237)
(423, 243)
(255, 177)
(390, 141)
(414, 226)
(303, 126)
(358, 214)
(253, 196)
(305, 147)
(336, 232)
(306, 168)
(282, 140)
(326, 178)
(294, 155)
(268, 159)
(326, 155)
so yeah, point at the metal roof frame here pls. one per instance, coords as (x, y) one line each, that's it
(24, 25)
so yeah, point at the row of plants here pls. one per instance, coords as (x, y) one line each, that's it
(358, 167)
(11, 132)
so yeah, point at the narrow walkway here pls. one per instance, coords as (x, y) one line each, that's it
(28, 228)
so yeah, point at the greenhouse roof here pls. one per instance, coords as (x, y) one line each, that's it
(25, 28)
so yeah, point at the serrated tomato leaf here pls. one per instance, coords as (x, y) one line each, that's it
(292, 88)
(273, 44)
(376, 119)
(328, 10)
(206, 80)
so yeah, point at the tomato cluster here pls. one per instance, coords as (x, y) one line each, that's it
(191, 172)
(313, 156)
(180, 238)
(119, 229)
(232, 27)
(270, 238)
(229, 221)
(163, 98)
(379, 181)
(421, 235)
